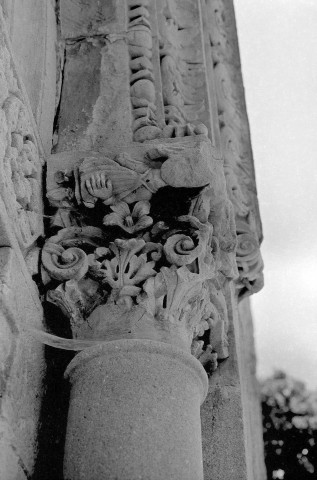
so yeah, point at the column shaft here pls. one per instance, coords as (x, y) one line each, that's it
(135, 413)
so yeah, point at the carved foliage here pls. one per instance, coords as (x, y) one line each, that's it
(179, 300)
(128, 268)
(20, 165)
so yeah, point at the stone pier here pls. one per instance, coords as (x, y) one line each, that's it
(151, 235)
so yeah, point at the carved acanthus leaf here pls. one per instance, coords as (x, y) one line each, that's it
(179, 300)
(128, 268)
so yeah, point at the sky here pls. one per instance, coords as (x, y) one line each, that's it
(278, 48)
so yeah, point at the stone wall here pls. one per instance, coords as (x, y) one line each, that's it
(32, 31)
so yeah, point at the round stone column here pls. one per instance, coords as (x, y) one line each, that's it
(134, 413)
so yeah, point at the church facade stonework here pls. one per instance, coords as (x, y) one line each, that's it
(130, 243)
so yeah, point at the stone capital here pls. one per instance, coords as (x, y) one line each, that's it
(145, 240)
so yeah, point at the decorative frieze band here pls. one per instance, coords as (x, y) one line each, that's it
(235, 145)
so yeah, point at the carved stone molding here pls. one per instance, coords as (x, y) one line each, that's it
(235, 144)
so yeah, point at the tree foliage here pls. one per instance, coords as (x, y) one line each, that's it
(290, 428)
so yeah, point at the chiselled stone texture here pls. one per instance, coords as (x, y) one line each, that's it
(80, 18)
(95, 100)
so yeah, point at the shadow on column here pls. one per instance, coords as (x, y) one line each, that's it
(54, 409)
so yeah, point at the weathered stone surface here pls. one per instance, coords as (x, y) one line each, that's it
(80, 19)
(222, 431)
(22, 367)
(143, 421)
(32, 29)
(223, 428)
(95, 103)
(250, 395)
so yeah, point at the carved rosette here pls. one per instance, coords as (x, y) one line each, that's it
(144, 240)
(249, 261)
